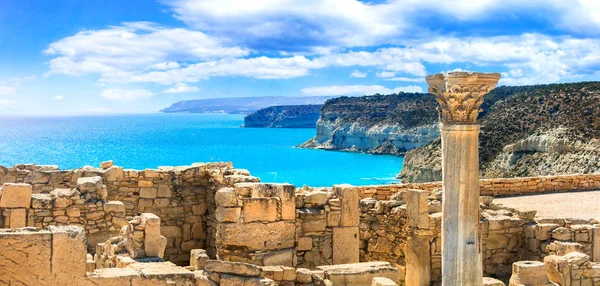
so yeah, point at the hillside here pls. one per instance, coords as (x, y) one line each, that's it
(239, 105)
(377, 124)
(537, 130)
(286, 116)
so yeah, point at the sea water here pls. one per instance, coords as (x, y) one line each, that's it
(152, 140)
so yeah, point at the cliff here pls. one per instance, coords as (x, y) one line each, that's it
(535, 130)
(287, 116)
(377, 124)
(239, 105)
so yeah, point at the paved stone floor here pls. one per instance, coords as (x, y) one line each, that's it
(583, 205)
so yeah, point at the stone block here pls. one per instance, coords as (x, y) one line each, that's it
(529, 273)
(164, 191)
(287, 197)
(596, 244)
(232, 280)
(113, 277)
(289, 273)
(488, 281)
(418, 261)
(23, 251)
(382, 281)
(563, 234)
(280, 257)
(235, 268)
(496, 241)
(198, 258)
(260, 209)
(226, 197)
(114, 174)
(303, 275)
(68, 254)
(170, 231)
(304, 243)
(228, 214)
(349, 197)
(114, 206)
(317, 198)
(543, 231)
(16, 196)
(244, 189)
(18, 218)
(89, 184)
(258, 236)
(333, 218)
(345, 245)
(272, 272)
(314, 224)
(417, 208)
(359, 274)
(148, 193)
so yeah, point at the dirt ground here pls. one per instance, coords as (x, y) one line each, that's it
(582, 205)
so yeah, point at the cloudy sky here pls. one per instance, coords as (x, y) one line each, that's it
(114, 56)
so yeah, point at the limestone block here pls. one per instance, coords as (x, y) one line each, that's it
(272, 272)
(418, 261)
(317, 198)
(417, 208)
(563, 234)
(198, 258)
(228, 214)
(258, 236)
(16, 196)
(113, 277)
(349, 197)
(114, 206)
(359, 274)
(160, 273)
(289, 273)
(89, 184)
(304, 243)
(529, 273)
(382, 281)
(333, 218)
(170, 231)
(345, 245)
(287, 197)
(488, 281)
(18, 218)
(260, 209)
(235, 268)
(543, 231)
(596, 244)
(74, 212)
(22, 251)
(246, 281)
(202, 278)
(113, 174)
(69, 251)
(244, 189)
(226, 197)
(281, 257)
(557, 269)
(165, 191)
(154, 243)
(303, 275)
(148, 193)
(106, 164)
(496, 241)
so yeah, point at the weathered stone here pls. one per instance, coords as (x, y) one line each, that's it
(198, 258)
(563, 234)
(359, 274)
(529, 273)
(148, 193)
(18, 218)
(488, 281)
(303, 275)
(345, 245)
(287, 197)
(417, 208)
(228, 214)
(349, 196)
(244, 189)
(246, 281)
(68, 254)
(418, 261)
(113, 174)
(543, 231)
(304, 243)
(260, 209)
(16, 196)
(89, 184)
(258, 236)
(382, 281)
(106, 164)
(280, 257)
(114, 206)
(317, 198)
(164, 191)
(235, 268)
(226, 197)
(496, 241)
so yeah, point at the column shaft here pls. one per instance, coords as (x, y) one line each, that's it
(461, 250)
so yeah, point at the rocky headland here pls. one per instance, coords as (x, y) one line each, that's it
(376, 124)
(239, 105)
(527, 131)
(286, 116)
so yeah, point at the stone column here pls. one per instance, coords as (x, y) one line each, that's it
(460, 95)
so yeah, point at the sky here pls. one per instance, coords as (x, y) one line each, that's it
(72, 57)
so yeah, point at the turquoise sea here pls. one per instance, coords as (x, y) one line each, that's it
(152, 140)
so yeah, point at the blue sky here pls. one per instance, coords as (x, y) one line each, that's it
(66, 58)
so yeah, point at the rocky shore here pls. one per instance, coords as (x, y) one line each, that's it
(285, 116)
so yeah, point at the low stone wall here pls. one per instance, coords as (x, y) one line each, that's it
(498, 187)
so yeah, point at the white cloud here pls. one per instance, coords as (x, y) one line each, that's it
(407, 79)
(126, 95)
(385, 74)
(357, 90)
(6, 103)
(181, 88)
(358, 74)
(133, 47)
(58, 97)
(7, 90)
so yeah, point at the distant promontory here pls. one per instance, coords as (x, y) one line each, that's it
(287, 116)
(240, 105)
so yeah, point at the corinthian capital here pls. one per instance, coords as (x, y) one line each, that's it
(460, 94)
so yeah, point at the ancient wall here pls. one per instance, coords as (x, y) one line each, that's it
(498, 187)
(183, 197)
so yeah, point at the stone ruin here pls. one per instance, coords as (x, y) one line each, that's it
(211, 224)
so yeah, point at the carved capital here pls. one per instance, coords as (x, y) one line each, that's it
(460, 94)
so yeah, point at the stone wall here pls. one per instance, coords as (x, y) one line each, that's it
(498, 187)
(183, 197)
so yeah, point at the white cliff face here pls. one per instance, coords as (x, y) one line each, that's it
(337, 135)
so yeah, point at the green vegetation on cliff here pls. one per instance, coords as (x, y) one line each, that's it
(287, 116)
(528, 131)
